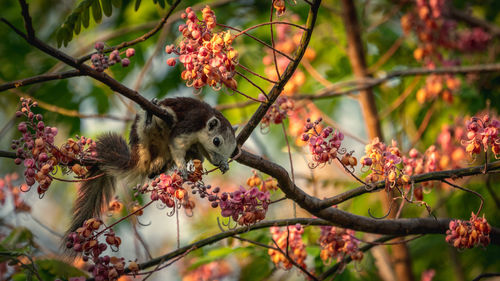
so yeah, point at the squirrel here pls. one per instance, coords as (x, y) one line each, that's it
(155, 146)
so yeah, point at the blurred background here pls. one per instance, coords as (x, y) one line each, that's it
(83, 106)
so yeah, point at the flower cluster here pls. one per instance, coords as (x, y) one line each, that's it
(263, 185)
(447, 153)
(100, 61)
(244, 206)
(436, 33)
(166, 188)
(483, 132)
(324, 144)
(85, 241)
(383, 162)
(73, 152)
(7, 187)
(35, 147)
(298, 119)
(452, 153)
(428, 275)
(438, 86)
(208, 58)
(287, 41)
(277, 112)
(475, 39)
(291, 237)
(115, 205)
(280, 7)
(418, 163)
(468, 234)
(348, 160)
(215, 270)
(337, 243)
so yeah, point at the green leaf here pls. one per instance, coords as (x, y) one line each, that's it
(258, 269)
(106, 7)
(86, 17)
(116, 3)
(162, 3)
(78, 24)
(216, 254)
(59, 268)
(137, 4)
(170, 2)
(59, 38)
(17, 236)
(96, 11)
(20, 277)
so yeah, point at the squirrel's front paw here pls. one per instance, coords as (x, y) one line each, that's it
(149, 116)
(184, 174)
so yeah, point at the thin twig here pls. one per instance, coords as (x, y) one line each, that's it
(291, 164)
(367, 83)
(269, 23)
(273, 44)
(424, 124)
(253, 84)
(40, 78)
(486, 275)
(258, 75)
(142, 38)
(278, 88)
(406, 93)
(292, 261)
(470, 191)
(258, 40)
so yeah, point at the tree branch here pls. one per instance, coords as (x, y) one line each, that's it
(347, 220)
(142, 38)
(231, 233)
(290, 69)
(27, 19)
(440, 175)
(473, 21)
(100, 76)
(367, 83)
(40, 78)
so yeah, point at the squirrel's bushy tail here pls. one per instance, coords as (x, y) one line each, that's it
(113, 156)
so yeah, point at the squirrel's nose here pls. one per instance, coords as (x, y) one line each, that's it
(223, 166)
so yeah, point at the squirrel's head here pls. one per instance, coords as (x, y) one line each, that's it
(218, 142)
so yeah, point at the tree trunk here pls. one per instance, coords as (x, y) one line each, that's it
(400, 254)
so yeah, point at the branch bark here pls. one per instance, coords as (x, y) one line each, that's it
(290, 69)
(344, 219)
(40, 79)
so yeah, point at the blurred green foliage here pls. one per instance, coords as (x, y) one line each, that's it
(57, 22)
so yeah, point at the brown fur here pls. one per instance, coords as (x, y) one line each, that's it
(152, 151)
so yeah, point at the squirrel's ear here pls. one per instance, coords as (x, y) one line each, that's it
(212, 123)
(236, 127)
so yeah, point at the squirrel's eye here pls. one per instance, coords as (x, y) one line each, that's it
(216, 141)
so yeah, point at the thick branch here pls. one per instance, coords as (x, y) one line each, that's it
(344, 219)
(230, 233)
(440, 175)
